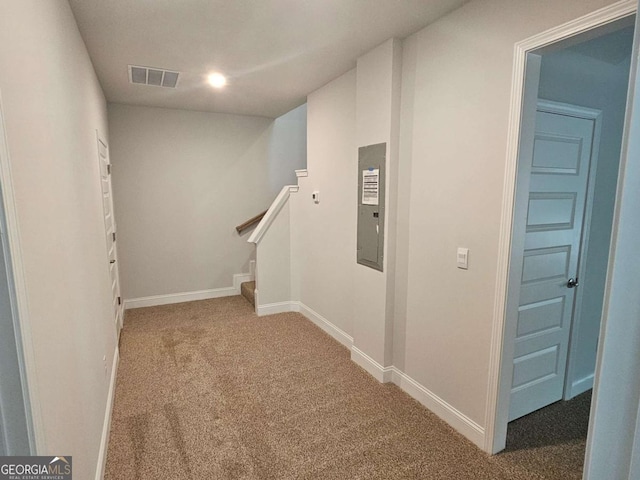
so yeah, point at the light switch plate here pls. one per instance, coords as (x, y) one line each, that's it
(316, 196)
(463, 258)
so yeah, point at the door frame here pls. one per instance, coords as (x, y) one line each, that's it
(503, 333)
(20, 302)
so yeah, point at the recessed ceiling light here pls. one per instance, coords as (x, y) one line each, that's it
(217, 80)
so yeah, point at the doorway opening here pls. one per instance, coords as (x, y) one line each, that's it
(573, 117)
(16, 428)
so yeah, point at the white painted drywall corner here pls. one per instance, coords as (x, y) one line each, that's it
(377, 121)
(287, 148)
(323, 235)
(407, 99)
(273, 265)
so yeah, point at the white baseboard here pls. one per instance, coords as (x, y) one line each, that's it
(580, 386)
(273, 308)
(441, 408)
(325, 324)
(155, 300)
(309, 313)
(240, 278)
(431, 401)
(170, 298)
(380, 373)
(106, 427)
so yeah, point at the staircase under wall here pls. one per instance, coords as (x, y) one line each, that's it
(272, 290)
(247, 289)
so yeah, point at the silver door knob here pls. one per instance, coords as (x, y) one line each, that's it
(572, 283)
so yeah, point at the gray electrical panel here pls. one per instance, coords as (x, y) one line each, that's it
(371, 183)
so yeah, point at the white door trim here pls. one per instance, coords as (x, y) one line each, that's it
(22, 325)
(497, 410)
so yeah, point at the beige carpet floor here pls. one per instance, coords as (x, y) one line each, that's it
(552, 440)
(207, 390)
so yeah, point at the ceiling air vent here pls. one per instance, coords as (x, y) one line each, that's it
(156, 77)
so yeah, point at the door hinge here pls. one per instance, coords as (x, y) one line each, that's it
(108, 169)
(113, 235)
(119, 301)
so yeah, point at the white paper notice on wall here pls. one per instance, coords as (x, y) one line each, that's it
(371, 186)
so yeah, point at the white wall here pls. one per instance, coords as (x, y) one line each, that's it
(377, 112)
(456, 86)
(461, 86)
(580, 80)
(273, 258)
(634, 468)
(407, 99)
(611, 451)
(324, 235)
(53, 105)
(183, 180)
(287, 148)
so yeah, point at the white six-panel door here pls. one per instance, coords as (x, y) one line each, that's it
(555, 215)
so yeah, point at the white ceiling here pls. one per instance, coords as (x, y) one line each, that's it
(274, 52)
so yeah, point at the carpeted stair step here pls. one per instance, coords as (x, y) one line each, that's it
(247, 289)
